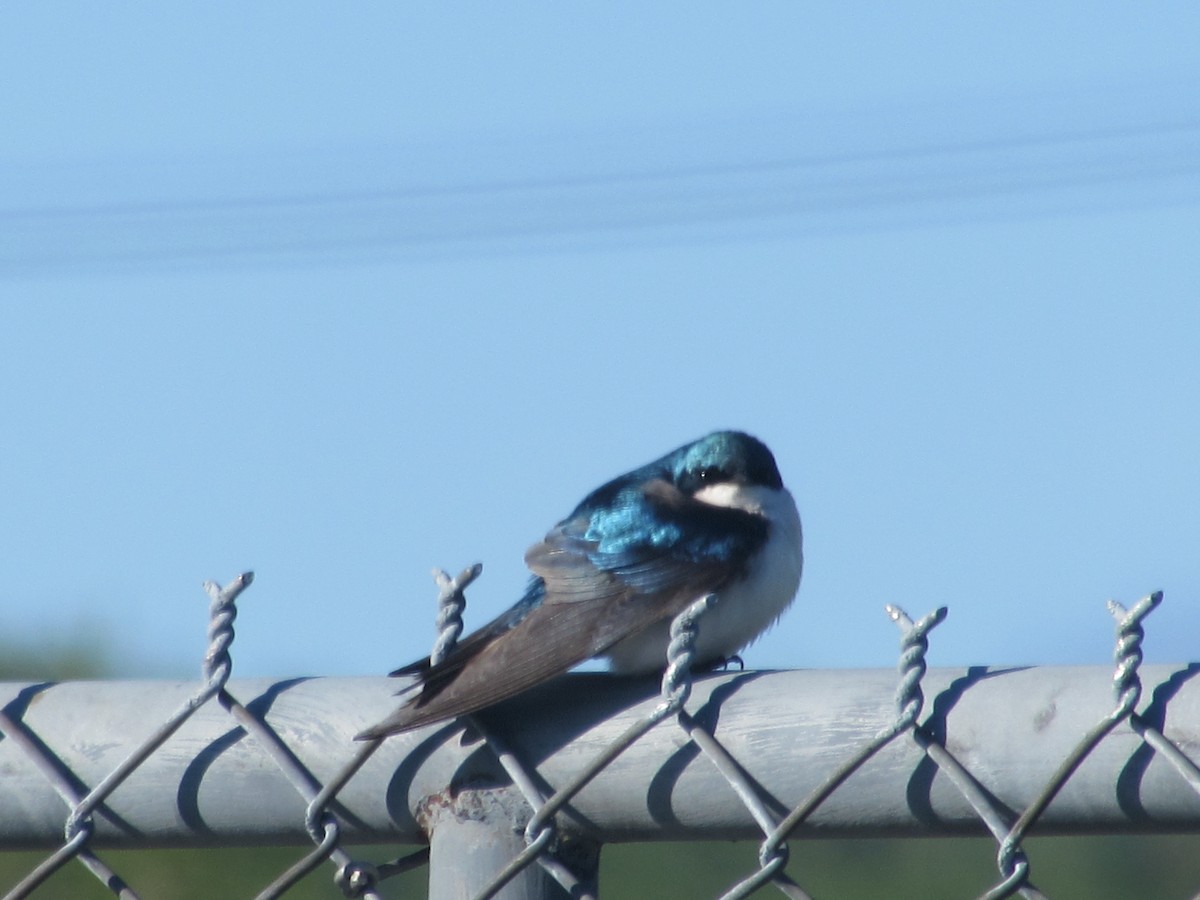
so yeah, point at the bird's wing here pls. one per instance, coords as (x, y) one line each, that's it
(602, 574)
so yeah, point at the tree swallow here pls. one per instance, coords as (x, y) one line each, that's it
(712, 517)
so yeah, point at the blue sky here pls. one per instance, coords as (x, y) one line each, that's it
(350, 292)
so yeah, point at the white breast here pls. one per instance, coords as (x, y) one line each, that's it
(746, 609)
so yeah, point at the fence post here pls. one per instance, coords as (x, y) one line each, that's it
(473, 835)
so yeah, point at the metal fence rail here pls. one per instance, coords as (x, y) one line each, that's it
(528, 791)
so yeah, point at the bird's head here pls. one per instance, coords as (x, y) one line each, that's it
(724, 457)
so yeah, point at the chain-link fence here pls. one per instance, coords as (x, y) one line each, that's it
(517, 801)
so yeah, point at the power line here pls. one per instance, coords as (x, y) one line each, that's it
(686, 193)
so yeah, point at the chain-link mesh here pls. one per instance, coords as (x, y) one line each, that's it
(550, 836)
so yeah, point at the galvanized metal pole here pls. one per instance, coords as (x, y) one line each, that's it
(473, 836)
(211, 783)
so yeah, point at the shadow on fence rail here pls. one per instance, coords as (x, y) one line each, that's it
(549, 835)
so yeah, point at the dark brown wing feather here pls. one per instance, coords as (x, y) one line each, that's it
(586, 609)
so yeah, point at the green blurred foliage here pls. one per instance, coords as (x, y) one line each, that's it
(199, 874)
(83, 652)
(1089, 868)
(1083, 868)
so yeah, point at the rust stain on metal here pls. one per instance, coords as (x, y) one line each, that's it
(472, 805)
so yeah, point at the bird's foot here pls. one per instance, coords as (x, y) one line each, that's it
(722, 664)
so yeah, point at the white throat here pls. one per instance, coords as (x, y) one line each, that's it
(745, 609)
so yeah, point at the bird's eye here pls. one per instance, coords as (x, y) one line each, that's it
(711, 474)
